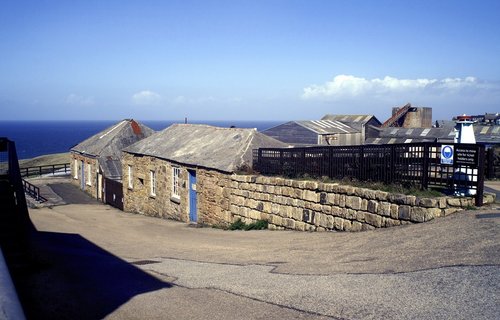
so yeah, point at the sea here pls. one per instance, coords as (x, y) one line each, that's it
(36, 138)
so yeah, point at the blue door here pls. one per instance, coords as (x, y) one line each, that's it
(193, 216)
(83, 175)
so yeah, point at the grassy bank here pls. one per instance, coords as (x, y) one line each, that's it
(45, 160)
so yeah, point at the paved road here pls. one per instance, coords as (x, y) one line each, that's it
(98, 262)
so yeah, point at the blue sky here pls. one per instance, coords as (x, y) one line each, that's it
(246, 60)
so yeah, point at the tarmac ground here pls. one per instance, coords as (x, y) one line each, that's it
(94, 261)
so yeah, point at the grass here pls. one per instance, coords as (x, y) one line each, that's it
(406, 189)
(45, 160)
(240, 225)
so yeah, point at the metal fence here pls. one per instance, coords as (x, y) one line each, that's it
(415, 164)
(60, 168)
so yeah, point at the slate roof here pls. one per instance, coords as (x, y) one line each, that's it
(350, 118)
(107, 144)
(112, 168)
(224, 149)
(326, 126)
(486, 134)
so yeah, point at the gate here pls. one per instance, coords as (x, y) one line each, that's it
(113, 193)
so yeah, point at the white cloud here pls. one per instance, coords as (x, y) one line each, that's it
(351, 87)
(146, 97)
(76, 100)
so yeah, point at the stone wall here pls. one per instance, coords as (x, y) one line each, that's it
(285, 203)
(212, 191)
(313, 206)
(90, 186)
(138, 199)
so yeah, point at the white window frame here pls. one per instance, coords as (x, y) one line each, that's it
(75, 166)
(89, 174)
(152, 179)
(130, 178)
(176, 176)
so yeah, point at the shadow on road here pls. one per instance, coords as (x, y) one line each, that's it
(71, 194)
(72, 278)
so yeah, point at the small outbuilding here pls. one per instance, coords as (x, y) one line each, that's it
(96, 162)
(183, 172)
(366, 124)
(315, 132)
(333, 130)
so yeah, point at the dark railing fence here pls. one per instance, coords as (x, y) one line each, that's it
(46, 169)
(416, 164)
(492, 163)
(33, 191)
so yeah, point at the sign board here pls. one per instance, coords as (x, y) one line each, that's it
(447, 153)
(464, 156)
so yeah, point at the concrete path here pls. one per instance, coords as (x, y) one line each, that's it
(493, 187)
(98, 262)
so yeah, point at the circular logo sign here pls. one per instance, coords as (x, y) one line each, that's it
(447, 152)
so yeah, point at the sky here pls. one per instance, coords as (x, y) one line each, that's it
(246, 60)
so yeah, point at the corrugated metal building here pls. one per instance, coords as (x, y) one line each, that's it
(485, 134)
(367, 124)
(334, 130)
(314, 132)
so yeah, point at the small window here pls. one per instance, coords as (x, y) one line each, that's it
(75, 167)
(89, 174)
(152, 176)
(176, 172)
(130, 178)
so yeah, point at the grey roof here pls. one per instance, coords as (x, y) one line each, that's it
(224, 149)
(487, 134)
(484, 134)
(326, 126)
(107, 144)
(112, 168)
(350, 118)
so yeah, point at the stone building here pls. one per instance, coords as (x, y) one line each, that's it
(97, 160)
(184, 171)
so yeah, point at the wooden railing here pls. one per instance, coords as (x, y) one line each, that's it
(47, 169)
(33, 191)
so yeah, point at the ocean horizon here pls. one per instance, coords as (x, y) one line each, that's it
(34, 138)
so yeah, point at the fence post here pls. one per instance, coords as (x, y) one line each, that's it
(392, 164)
(490, 173)
(259, 160)
(330, 165)
(425, 167)
(361, 168)
(480, 177)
